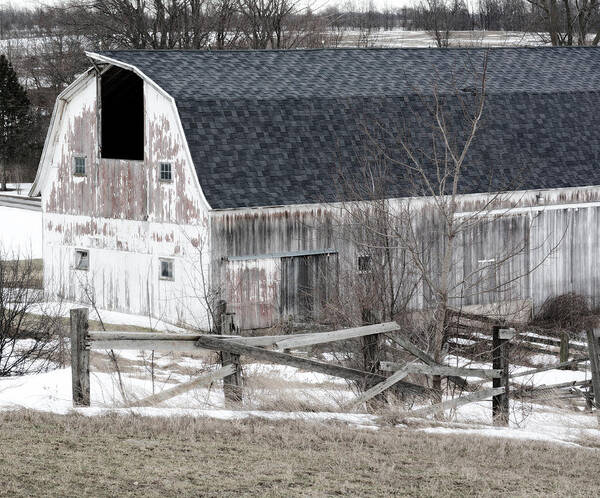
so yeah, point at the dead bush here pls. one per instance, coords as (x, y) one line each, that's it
(569, 311)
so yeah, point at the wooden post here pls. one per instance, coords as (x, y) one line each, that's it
(564, 347)
(220, 310)
(232, 384)
(500, 344)
(593, 337)
(80, 357)
(371, 349)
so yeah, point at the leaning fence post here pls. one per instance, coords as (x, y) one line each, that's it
(500, 345)
(80, 357)
(232, 384)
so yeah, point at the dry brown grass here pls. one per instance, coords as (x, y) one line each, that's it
(50, 455)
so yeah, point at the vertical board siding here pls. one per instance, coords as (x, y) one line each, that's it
(252, 291)
(526, 255)
(127, 219)
(307, 285)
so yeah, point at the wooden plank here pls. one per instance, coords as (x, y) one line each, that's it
(297, 341)
(425, 358)
(379, 388)
(537, 344)
(146, 345)
(203, 380)
(456, 402)
(140, 336)
(548, 367)
(562, 385)
(118, 340)
(145, 336)
(80, 357)
(214, 344)
(163, 342)
(419, 368)
(594, 351)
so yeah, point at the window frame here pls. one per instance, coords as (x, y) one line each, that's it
(361, 266)
(169, 261)
(79, 260)
(84, 159)
(160, 172)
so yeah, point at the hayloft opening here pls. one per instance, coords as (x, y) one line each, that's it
(122, 115)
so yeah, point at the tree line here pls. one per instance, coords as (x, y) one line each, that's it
(46, 45)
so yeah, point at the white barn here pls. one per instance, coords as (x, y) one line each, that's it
(172, 178)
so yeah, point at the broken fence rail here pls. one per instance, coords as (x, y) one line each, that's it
(254, 347)
(235, 345)
(456, 402)
(443, 370)
(187, 342)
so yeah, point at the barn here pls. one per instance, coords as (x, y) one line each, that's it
(171, 179)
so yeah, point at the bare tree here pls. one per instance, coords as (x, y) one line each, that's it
(29, 329)
(570, 22)
(419, 239)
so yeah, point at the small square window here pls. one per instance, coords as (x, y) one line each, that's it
(166, 174)
(166, 269)
(364, 263)
(79, 166)
(82, 259)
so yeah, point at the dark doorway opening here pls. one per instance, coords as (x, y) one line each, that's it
(308, 283)
(122, 115)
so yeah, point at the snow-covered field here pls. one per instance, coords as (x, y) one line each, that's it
(399, 38)
(20, 233)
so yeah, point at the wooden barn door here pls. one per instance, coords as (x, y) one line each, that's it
(308, 282)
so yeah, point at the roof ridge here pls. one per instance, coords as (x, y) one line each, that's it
(349, 49)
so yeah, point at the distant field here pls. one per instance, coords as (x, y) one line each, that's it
(416, 39)
(20, 233)
(50, 455)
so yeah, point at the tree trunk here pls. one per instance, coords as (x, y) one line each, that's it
(3, 174)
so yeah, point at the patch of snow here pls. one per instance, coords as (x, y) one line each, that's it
(503, 432)
(17, 189)
(286, 373)
(20, 233)
(541, 359)
(63, 308)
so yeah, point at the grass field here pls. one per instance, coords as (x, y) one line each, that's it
(50, 455)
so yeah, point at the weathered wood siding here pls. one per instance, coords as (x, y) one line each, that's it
(126, 217)
(542, 244)
(307, 283)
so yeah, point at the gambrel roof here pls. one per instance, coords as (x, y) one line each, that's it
(271, 128)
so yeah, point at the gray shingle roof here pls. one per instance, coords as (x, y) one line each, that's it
(273, 127)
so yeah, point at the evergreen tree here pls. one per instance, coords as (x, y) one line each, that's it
(15, 118)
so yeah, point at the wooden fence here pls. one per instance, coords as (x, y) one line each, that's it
(275, 349)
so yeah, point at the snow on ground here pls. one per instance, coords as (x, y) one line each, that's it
(20, 233)
(400, 38)
(528, 422)
(17, 189)
(51, 391)
(63, 308)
